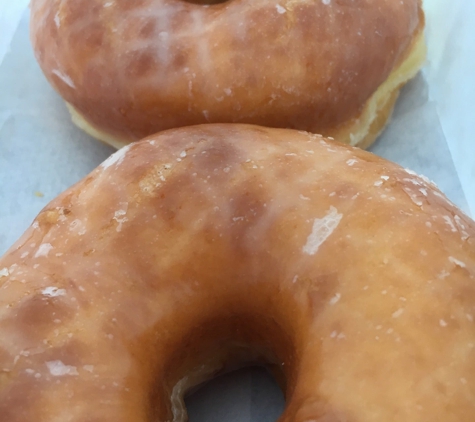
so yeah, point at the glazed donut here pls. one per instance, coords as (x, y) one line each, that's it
(210, 246)
(130, 69)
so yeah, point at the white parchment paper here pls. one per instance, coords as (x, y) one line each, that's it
(42, 154)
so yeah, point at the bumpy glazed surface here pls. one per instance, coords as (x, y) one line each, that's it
(130, 69)
(215, 245)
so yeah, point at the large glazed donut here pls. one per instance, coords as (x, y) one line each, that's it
(128, 69)
(215, 245)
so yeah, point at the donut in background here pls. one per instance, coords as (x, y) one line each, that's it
(130, 69)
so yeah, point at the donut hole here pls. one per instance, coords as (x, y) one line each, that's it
(203, 364)
(249, 392)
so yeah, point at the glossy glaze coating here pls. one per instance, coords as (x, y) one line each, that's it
(211, 246)
(129, 69)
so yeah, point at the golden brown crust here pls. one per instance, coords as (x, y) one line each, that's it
(218, 244)
(130, 71)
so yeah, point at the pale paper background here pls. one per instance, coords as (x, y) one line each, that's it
(451, 76)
